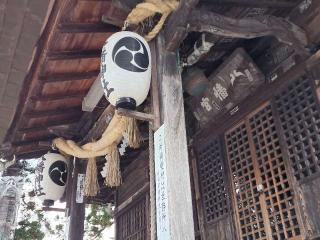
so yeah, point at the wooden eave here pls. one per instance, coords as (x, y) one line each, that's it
(65, 63)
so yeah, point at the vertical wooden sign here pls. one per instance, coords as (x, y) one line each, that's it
(163, 231)
(80, 188)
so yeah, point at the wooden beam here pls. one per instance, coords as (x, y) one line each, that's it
(197, 193)
(32, 141)
(65, 131)
(129, 200)
(51, 209)
(115, 16)
(50, 113)
(176, 27)
(5, 146)
(61, 77)
(155, 106)
(94, 95)
(45, 143)
(180, 210)
(251, 3)
(53, 97)
(248, 28)
(134, 114)
(67, 55)
(47, 126)
(77, 210)
(100, 125)
(226, 121)
(87, 28)
(31, 154)
(155, 99)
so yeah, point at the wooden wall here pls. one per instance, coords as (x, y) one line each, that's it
(132, 216)
(275, 146)
(134, 178)
(292, 93)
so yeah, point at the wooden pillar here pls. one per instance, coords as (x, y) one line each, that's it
(76, 210)
(180, 213)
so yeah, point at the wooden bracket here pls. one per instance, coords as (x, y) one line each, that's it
(93, 97)
(135, 114)
(66, 131)
(285, 31)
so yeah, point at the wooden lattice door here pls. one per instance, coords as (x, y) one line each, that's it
(263, 195)
(132, 222)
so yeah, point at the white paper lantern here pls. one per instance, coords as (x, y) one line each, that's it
(126, 69)
(51, 177)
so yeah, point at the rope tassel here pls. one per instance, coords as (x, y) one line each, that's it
(113, 178)
(133, 133)
(91, 187)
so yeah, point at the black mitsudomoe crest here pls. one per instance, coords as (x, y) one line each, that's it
(131, 54)
(58, 173)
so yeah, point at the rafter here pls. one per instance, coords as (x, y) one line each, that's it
(100, 125)
(50, 113)
(252, 3)
(33, 153)
(46, 127)
(66, 55)
(65, 131)
(176, 27)
(60, 96)
(87, 28)
(32, 141)
(61, 77)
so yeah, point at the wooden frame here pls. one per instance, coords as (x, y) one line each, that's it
(271, 90)
(226, 121)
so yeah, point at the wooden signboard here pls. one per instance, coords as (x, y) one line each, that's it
(233, 81)
(163, 231)
(80, 188)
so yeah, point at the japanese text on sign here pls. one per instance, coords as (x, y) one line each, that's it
(163, 231)
(80, 188)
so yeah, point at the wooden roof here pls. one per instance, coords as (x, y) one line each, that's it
(66, 61)
(20, 26)
(65, 64)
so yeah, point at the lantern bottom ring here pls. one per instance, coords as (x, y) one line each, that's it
(126, 103)
(48, 203)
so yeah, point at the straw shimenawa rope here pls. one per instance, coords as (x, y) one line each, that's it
(106, 145)
(148, 9)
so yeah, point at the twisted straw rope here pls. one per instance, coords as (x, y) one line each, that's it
(148, 9)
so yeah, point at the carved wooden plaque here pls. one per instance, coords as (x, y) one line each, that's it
(232, 82)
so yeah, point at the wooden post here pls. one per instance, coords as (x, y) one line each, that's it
(76, 210)
(180, 213)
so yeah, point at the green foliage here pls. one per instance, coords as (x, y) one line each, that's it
(29, 230)
(98, 220)
(35, 225)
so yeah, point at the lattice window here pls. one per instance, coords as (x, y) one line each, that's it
(277, 190)
(132, 222)
(245, 184)
(212, 180)
(300, 120)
